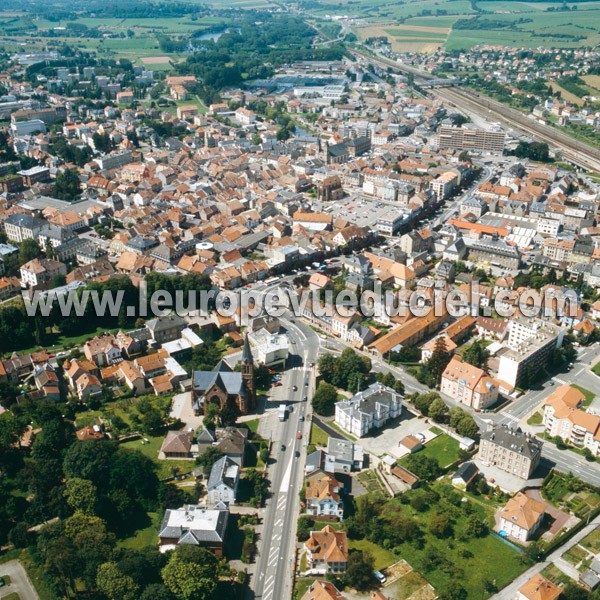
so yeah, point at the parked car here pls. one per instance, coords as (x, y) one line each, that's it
(380, 576)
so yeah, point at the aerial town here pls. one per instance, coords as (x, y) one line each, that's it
(389, 388)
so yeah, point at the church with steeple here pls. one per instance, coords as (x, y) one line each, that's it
(225, 386)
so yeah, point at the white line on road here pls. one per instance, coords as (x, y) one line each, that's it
(285, 482)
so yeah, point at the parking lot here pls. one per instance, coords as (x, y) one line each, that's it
(17, 581)
(386, 440)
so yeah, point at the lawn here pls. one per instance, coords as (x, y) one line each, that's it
(589, 396)
(596, 369)
(166, 468)
(56, 342)
(443, 448)
(252, 425)
(148, 536)
(13, 596)
(317, 436)
(535, 419)
(383, 558)
(472, 561)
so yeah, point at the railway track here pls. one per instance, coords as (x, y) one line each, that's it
(579, 153)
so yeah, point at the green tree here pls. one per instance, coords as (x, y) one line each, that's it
(152, 420)
(81, 495)
(438, 410)
(58, 281)
(467, 427)
(440, 357)
(439, 525)
(191, 576)
(424, 467)
(67, 186)
(477, 355)
(474, 526)
(208, 458)
(28, 250)
(324, 399)
(157, 591)
(359, 570)
(114, 585)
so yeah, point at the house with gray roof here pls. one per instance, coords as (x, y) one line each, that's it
(223, 481)
(370, 409)
(196, 525)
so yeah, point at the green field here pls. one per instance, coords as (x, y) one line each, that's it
(443, 448)
(519, 24)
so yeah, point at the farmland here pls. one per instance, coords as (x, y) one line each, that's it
(519, 24)
(134, 39)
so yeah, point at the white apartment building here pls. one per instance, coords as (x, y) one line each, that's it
(530, 342)
(369, 409)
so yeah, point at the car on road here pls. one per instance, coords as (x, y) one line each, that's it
(277, 384)
(282, 447)
(305, 398)
(2, 582)
(298, 436)
(294, 388)
(297, 454)
(302, 417)
(306, 383)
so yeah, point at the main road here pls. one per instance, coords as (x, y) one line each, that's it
(273, 576)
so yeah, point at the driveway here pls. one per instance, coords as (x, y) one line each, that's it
(386, 441)
(560, 519)
(19, 582)
(182, 409)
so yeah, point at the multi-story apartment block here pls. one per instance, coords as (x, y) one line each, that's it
(468, 384)
(470, 138)
(563, 417)
(510, 450)
(530, 343)
(369, 409)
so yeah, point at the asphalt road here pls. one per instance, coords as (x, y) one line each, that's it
(19, 582)
(272, 579)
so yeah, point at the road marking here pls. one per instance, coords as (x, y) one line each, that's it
(285, 482)
(562, 382)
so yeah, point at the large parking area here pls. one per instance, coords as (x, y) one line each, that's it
(386, 440)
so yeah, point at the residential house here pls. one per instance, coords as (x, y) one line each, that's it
(343, 456)
(322, 590)
(103, 350)
(196, 525)
(539, 588)
(223, 481)
(178, 444)
(521, 517)
(38, 273)
(166, 329)
(327, 550)
(323, 496)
